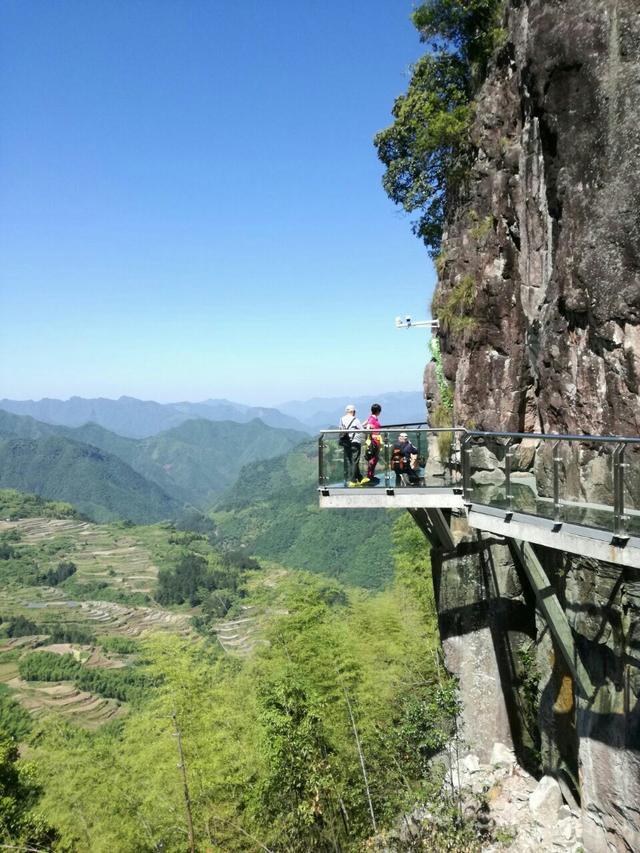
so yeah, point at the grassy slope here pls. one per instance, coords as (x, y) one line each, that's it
(273, 511)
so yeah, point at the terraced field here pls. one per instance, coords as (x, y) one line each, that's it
(64, 698)
(101, 552)
(60, 697)
(240, 635)
(124, 561)
(109, 559)
(110, 618)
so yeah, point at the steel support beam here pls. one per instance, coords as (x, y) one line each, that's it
(434, 526)
(553, 613)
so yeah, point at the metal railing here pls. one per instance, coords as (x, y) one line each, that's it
(437, 462)
(581, 479)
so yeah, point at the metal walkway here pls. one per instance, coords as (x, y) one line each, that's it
(578, 494)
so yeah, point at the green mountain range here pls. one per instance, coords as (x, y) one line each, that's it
(148, 479)
(272, 510)
(99, 484)
(197, 460)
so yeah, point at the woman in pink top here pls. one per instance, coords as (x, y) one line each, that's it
(374, 443)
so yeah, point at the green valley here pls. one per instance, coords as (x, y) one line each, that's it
(272, 511)
(107, 476)
(277, 681)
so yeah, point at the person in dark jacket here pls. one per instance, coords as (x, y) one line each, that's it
(401, 460)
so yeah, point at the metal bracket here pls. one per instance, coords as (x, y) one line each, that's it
(434, 526)
(553, 613)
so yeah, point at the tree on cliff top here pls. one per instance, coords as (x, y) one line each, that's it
(426, 150)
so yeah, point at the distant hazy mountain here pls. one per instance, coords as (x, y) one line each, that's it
(134, 418)
(193, 462)
(398, 407)
(225, 410)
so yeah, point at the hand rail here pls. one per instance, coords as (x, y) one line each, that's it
(395, 428)
(465, 439)
(542, 436)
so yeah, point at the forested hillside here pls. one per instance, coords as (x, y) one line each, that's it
(265, 707)
(272, 511)
(272, 733)
(193, 463)
(99, 484)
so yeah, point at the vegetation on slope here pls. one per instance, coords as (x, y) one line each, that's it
(14, 504)
(196, 461)
(272, 511)
(99, 484)
(21, 827)
(192, 463)
(123, 684)
(273, 738)
(426, 151)
(273, 745)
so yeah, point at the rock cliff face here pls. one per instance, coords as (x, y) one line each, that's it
(539, 299)
(547, 238)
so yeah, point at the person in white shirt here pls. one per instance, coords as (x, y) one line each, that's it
(351, 441)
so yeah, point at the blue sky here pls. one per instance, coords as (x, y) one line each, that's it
(190, 201)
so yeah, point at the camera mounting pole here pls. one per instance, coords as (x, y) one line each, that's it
(408, 323)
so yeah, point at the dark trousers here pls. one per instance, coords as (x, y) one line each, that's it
(352, 462)
(408, 472)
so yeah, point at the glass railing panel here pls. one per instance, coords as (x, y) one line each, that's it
(385, 460)
(486, 460)
(331, 461)
(442, 458)
(630, 467)
(551, 469)
(587, 496)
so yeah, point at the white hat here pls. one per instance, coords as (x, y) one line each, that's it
(403, 435)
(350, 408)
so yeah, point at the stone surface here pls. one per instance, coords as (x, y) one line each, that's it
(549, 228)
(483, 616)
(483, 478)
(471, 763)
(501, 754)
(546, 800)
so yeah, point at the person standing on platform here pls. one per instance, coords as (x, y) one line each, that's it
(350, 440)
(373, 443)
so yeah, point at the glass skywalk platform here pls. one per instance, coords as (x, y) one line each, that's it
(579, 494)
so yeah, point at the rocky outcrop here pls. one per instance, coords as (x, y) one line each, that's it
(503, 804)
(539, 300)
(548, 234)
